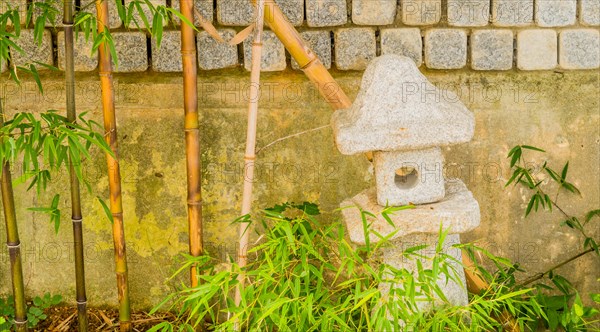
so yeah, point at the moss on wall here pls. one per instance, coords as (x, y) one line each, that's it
(556, 111)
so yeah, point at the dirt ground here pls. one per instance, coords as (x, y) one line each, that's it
(65, 319)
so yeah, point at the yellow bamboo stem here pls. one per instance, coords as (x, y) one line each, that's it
(114, 172)
(306, 58)
(192, 135)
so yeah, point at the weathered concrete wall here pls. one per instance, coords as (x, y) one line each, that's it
(553, 110)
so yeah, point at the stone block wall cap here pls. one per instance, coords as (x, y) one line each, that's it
(458, 212)
(397, 108)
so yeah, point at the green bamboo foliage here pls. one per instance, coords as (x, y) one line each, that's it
(12, 242)
(76, 215)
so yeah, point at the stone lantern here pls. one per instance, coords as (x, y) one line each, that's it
(404, 120)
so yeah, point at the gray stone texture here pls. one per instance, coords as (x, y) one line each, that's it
(579, 49)
(235, 12)
(421, 12)
(319, 42)
(131, 52)
(167, 57)
(137, 18)
(326, 13)
(555, 13)
(403, 41)
(348, 54)
(241, 12)
(445, 48)
(373, 12)
(215, 55)
(84, 60)
(293, 10)
(458, 211)
(492, 49)
(454, 290)
(471, 13)
(398, 109)
(273, 53)
(205, 7)
(32, 51)
(512, 12)
(114, 21)
(536, 49)
(409, 177)
(589, 12)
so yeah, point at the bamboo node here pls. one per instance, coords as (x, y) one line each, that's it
(13, 245)
(188, 52)
(76, 220)
(310, 63)
(257, 44)
(81, 302)
(117, 214)
(193, 202)
(105, 74)
(250, 158)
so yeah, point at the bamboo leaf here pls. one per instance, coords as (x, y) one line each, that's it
(106, 209)
(242, 35)
(529, 147)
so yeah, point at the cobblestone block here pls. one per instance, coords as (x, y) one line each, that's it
(32, 51)
(131, 52)
(273, 53)
(235, 12)
(215, 55)
(320, 43)
(589, 13)
(293, 10)
(114, 21)
(492, 50)
(512, 12)
(350, 57)
(555, 13)
(536, 49)
(373, 12)
(404, 41)
(471, 13)
(205, 7)
(137, 18)
(421, 12)
(167, 57)
(445, 48)
(83, 60)
(579, 49)
(326, 13)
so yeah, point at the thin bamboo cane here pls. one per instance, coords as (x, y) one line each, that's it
(192, 135)
(114, 173)
(76, 215)
(306, 58)
(13, 243)
(250, 154)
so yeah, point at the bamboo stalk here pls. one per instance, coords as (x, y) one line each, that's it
(250, 153)
(13, 243)
(76, 215)
(306, 58)
(114, 173)
(192, 135)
